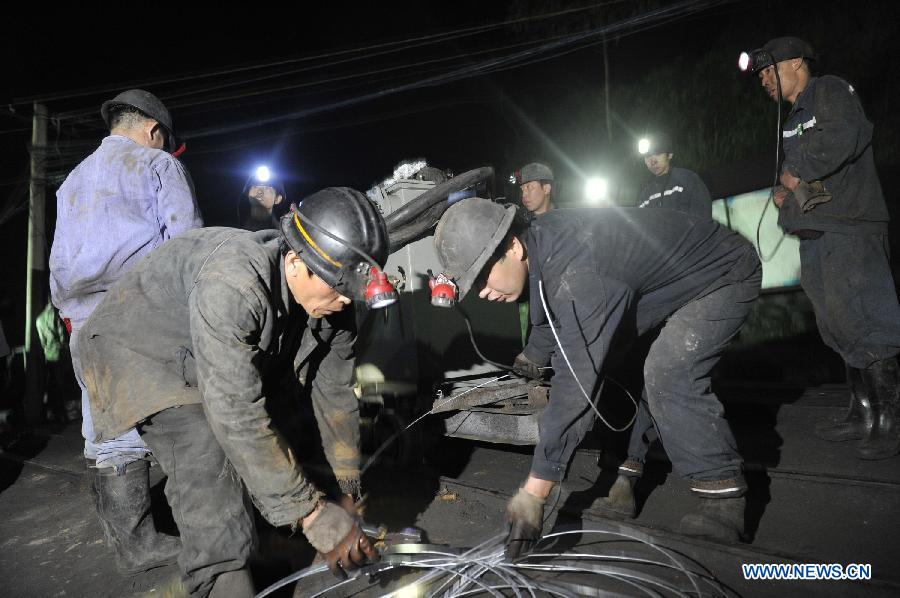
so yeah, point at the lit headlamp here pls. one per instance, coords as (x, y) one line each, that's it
(263, 174)
(755, 60)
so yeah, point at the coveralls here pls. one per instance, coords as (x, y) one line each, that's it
(680, 189)
(118, 205)
(189, 346)
(607, 276)
(684, 191)
(844, 255)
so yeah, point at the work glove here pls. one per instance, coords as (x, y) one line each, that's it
(525, 514)
(524, 367)
(810, 195)
(338, 537)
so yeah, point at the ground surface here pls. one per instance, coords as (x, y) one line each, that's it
(810, 502)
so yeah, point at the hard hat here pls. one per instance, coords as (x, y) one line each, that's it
(262, 176)
(356, 227)
(466, 237)
(533, 171)
(775, 50)
(147, 103)
(659, 143)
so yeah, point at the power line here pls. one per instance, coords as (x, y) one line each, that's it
(68, 116)
(334, 125)
(652, 18)
(557, 46)
(397, 45)
(307, 84)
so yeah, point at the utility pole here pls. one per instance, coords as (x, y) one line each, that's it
(35, 288)
(609, 135)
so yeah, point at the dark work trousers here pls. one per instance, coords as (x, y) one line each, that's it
(848, 280)
(643, 428)
(206, 495)
(688, 415)
(643, 431)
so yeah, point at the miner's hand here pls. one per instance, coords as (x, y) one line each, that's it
(524, 367)
(338, 537)
(525, 514)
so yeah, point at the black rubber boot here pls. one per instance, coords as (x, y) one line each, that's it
(883, 439)
(123, 505)
(719, 519)
(619, 503)
(859, 418)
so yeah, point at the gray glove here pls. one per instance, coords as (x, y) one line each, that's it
(525, 513)
(524, 367)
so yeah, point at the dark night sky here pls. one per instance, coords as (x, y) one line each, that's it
(550, 110)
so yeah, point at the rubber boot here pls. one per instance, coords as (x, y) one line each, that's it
(233, 584)
(123, 505)
(619, 503)
(859, 418)
(719, 519)
(883, 439)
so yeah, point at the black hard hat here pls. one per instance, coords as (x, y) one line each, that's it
(779, 49)
(659, 143)
(255, 180)
(273, 180)
(348, 215)
(147, 103)
(466, 237)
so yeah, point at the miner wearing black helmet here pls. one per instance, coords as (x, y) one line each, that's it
(672, 187)
(597, 279)
(260, 200)
(830, 197)
(192, 344)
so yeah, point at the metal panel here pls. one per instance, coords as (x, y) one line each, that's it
(414, 341)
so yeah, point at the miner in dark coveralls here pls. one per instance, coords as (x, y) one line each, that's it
(188, 346)
(672, 188)
(831, 199)
(604, 277)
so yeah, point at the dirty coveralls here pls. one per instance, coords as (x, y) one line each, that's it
(684, 191)
(609, 276)
(844, 255)
(119, 204)
(187, 347)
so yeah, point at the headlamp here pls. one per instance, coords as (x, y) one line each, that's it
(263, 174)
(443, 290)
(643, 146)
(754, 61)
(379, 290)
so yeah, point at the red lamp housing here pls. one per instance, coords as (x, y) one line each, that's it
(443, 291)
(379, 290)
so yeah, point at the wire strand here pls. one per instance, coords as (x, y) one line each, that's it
(575, 376)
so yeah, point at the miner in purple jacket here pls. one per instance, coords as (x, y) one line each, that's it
(118, 205)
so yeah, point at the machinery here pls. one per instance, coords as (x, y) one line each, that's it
(415, 357)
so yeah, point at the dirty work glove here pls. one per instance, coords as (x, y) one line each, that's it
(340, 540)
(524, 367)
(809, 195)
(525, 513)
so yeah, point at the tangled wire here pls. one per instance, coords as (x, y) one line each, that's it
(602, 566)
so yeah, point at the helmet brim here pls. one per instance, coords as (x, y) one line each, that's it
(465, 282)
